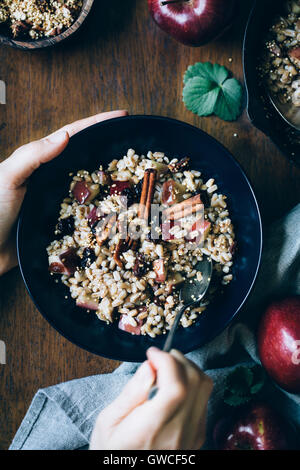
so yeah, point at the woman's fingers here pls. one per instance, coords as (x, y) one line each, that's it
(22, 163)
(169, 372)
(200, 386)
(171, 381)
(78, 126)
(134, 393)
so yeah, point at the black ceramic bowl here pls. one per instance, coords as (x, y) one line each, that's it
(260, 111)
(100, 144)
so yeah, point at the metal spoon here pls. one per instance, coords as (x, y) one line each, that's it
(192, 291)
(289, 113)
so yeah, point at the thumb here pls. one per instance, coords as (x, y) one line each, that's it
(22, 163)
(134, 393)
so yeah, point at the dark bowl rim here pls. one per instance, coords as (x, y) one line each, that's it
(251, 117)
(35, 44)
(234, 161)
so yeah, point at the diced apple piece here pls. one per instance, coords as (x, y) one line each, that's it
(202, 227)
(172, 192)
(125, 325)
(294, 55)
(94, 192)
(84, 192)
(81, 192)
(104, 178)
(93, 216)
(166, 227)
(118, 186)
(173, 282)
(64, 263)
(161, 168)
(87, 302)
(160, 270)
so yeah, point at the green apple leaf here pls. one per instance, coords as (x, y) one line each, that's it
(242, 384)
(228, 107)
(214, 72)
(259, 379)
(200, 96)
(239, 381)
(209, 90)
(234, 400)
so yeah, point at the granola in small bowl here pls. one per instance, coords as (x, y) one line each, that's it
(129, 235)
(280, 63)
(37, 19)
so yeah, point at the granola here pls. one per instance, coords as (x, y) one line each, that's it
(36, 19)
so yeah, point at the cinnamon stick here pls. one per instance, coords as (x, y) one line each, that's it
(146, 198)
(143, 198)
(150, 193)
(183, 209)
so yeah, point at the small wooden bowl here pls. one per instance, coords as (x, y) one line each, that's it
(48, 42)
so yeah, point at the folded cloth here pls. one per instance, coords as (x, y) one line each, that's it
(62, 416)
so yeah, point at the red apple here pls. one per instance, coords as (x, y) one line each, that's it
(254, 427)
(118, 186)
(279, 342)
(202, 227)
(64, 263)
(172, 192)
(294, 55)
(193, 22)
(166, 227)
(93, 216)
(87, 302)
(125, 325)
(160, 270)
(83, 192)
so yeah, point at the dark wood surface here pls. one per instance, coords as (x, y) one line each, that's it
(120, 59)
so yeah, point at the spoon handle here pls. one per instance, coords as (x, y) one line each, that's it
(170, 336)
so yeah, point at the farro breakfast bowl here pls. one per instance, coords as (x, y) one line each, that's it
(105, 268)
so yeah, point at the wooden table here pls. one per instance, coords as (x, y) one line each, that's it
(120, 60)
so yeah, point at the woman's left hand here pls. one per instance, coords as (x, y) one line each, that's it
(15, 170)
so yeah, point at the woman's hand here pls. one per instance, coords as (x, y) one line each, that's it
(174, 419)
(15, 170)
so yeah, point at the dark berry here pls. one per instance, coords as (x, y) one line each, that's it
(127, 197)
(137, 190)
(65, 226)
(157, 301)
(140, 266)
(103, 192)
(204, 197)
(88, 257)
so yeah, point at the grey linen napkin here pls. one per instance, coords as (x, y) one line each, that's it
(62, 416)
